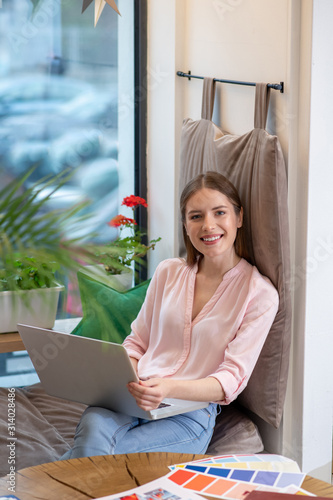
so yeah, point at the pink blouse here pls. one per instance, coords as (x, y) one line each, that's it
(223, 341)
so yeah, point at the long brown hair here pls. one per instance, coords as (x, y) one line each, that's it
(216, 181)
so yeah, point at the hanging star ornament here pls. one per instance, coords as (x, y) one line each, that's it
(99, 6)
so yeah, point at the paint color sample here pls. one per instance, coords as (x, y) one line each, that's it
(266, 477)
(239, 465)
(220, 487)
(225, 459)
(215, 471)
(240, 490)
(242, 475)
(181, 476)
(261, 466)
(199, 482)
(269, 488)
(197, 468)
(288, 479)
(206, 461)
(249, 458)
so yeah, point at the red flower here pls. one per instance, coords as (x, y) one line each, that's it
(121, 220)
(134, 201)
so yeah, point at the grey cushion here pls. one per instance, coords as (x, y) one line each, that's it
(45, 428)
(234, 433)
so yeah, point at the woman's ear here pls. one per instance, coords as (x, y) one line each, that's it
(240, 218)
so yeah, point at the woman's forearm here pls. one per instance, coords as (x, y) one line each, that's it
(205, 389)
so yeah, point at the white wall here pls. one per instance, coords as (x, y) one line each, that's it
(298, 159)
(164, 124)
(261, 40)
(318, 331)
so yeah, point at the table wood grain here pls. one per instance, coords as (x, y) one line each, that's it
(92, 477)
(87, 478)
(10, 342)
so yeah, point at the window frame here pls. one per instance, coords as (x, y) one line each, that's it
(140, 117)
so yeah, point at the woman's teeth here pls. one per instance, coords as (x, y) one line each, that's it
(213, 238)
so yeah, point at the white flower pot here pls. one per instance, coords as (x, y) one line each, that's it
(32, 307)
(120, 282)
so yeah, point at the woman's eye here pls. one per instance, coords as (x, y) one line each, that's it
(220, 212)
(193, 217)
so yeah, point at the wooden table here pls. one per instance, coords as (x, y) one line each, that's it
(11, 342)
(85, 478)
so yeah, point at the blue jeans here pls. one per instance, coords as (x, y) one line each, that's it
(104, 432)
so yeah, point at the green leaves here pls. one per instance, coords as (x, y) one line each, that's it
(132, 247)
(123, 251)
(34, 241)
(27, 274)
(38, 244)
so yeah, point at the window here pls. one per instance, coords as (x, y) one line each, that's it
(67, 100)
(71, 98)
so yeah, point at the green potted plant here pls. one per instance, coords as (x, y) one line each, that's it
(35, 250)
(117, 258)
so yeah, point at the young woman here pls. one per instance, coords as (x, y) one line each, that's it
(198, 335)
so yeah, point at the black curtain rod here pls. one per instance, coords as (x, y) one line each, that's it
(275, 86)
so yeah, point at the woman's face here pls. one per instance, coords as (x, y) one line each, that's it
(211, 223)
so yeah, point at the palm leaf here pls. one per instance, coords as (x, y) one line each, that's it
(34, 241)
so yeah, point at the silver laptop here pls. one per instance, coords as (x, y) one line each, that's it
(92, 372)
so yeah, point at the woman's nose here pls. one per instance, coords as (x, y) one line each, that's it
(208, 222)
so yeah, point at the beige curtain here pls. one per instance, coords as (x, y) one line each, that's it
(254, 163)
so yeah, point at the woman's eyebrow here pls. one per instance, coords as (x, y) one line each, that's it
(214, 208)
(221, 206)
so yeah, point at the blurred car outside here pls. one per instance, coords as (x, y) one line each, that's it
(55, 123)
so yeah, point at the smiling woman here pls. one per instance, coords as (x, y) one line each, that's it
(197, 336)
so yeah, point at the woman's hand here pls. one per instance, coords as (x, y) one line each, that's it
(150, 393)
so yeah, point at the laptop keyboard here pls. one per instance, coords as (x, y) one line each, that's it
(163, 405)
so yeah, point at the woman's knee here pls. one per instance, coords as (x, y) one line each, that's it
(92, 419)
(101, 423)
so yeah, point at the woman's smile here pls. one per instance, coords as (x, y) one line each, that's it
(211, 239)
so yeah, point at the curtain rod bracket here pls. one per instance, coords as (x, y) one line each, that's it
(186, 75)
